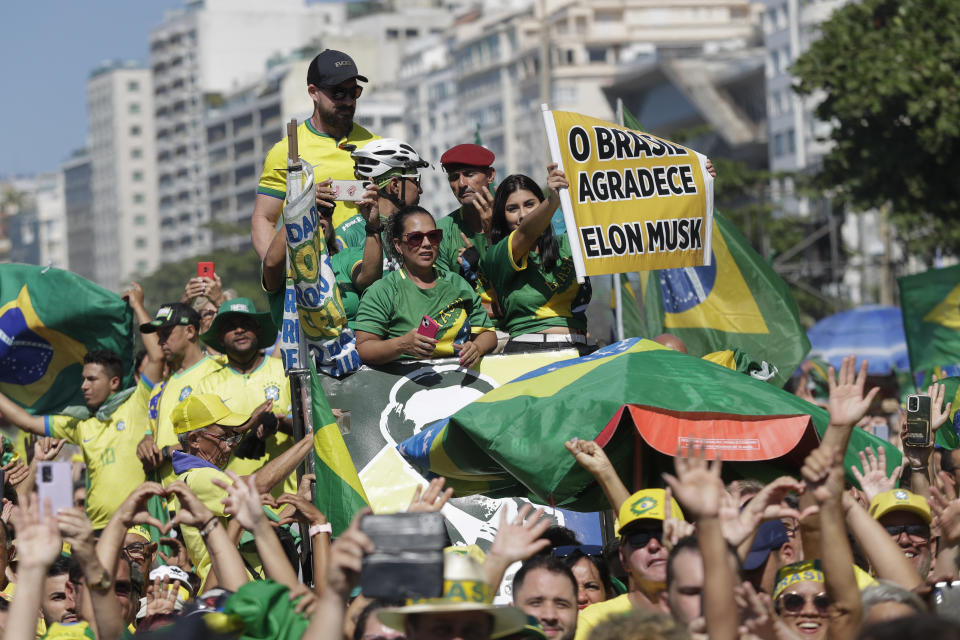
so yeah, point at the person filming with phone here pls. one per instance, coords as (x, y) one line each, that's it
(420, 311)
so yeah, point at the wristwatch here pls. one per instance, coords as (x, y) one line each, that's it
(103, 583)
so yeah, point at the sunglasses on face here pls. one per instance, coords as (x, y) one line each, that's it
(564, 551)
(640, 539)
(912, 530)
(794, 603)
(339, 93)
(415, 238)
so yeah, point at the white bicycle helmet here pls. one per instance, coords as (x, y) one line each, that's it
(384, 155)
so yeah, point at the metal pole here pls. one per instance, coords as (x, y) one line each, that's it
(617, 291)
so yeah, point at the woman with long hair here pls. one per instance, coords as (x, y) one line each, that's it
(542, 306)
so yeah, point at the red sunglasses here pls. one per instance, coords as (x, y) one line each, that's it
(415, 238)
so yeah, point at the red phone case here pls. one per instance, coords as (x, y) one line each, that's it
(205, 270)
(428, 327)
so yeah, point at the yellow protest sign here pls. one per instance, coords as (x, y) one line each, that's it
(636, 202)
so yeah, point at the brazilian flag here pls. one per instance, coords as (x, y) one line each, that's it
(50, 319)
(930, 303)
(339, 494)
(737, 302)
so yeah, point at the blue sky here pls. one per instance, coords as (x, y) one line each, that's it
(47, 49)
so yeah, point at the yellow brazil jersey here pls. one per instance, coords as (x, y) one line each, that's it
(324, 153)
(170, 392)
(243, 393)
(109, 451)
(70, 631)
(599, 612)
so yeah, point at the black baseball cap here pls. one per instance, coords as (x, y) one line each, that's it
(172, 315)
(331, 67)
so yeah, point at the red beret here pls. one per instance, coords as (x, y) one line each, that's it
(471, 155)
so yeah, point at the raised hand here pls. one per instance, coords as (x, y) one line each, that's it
(938, 413)
(367, 205)
(874, 479)
(556, 178)
(589, 455)
(767, 505)
(134, 295)
(192, 511)
(162, 596)
(242, 501)
(303, 510)
(15, 473)
(432, 499)
(823, 473)
(697, 485)
(674, 528)
(77, 531)
(133, 510)
(38, 538)
(326, 194)
(148, 453)
(520, 538)
(179, 558)
(945, 508)
(346, 556)
(847, 402)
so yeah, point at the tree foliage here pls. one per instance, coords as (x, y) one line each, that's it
(889, 75)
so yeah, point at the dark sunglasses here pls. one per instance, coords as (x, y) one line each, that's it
(912, 530)
(415, 238)
(566, 550)
(339, 93)
(640, 539)
(794, 602)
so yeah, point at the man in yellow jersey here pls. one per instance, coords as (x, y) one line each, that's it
(108, 428)
(177, 330)
(323, 141)
(250, 380)
(208, 433)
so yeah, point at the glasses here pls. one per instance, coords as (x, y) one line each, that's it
(339, 93)
(794, 603)
(912, 530)
(415, 238)
(228, 440)
(135, 549)
(564, 551)
(640, 539)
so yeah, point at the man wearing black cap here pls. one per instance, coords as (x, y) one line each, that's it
(322, 140)
(470, 173)
(177, 327)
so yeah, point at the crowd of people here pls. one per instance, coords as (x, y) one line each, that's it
(189, 520)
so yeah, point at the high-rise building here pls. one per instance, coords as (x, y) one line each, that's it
(78, 198)
(199, 53)
(122, 175)
(52, 219)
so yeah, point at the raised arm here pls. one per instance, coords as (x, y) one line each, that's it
(153, 368)
(885, 556)
(699, 489)
(275, 471)
(18, 416)
(591, 457)
(523, 239)
(38, 546)
(823, 472)
(515, 541)
(371, 268)
(266, 212)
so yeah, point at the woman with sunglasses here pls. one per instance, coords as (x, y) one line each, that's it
(392, 310)
(542, 306)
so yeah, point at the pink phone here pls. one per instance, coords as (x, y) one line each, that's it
(428, 327)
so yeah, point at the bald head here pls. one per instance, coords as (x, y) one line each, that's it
(671, 341)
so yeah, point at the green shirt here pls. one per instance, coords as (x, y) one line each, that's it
(533, 299)
(352, 232)
(394, 305)
(453, 225)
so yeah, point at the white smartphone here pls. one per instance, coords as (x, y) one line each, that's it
(349, 190)
(54, 483)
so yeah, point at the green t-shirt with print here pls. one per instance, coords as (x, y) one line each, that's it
(451, 244)
(531, 298)
(352, 232)
(394, 305)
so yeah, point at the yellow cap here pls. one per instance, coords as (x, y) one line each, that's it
(811, 571)
(199, 410)
(899, 500)
(648, 504)
(139, 530)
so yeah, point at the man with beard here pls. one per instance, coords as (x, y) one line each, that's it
(323, 141)
(906, 518)
(545, 588)
(251, 384)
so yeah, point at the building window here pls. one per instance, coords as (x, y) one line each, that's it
(135, 130)
(791, 141)
(133, 107)
(778, 145)
(141, 243)
(393, 34)
(133, 85)
(136, 153)
(138, 199)
(137, 176)
(139, 220)
(141, 266)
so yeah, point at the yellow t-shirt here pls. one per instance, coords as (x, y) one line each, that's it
(109, 451)
(170, 392)
(74, 631)
(324, 153)
(599, 612)
(243, 393)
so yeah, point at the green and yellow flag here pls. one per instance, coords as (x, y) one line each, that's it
(50, 319)
(339, 494)
(930, 302)
(737, 302)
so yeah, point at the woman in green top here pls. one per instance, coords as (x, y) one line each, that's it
(542, 306)
(391, 309)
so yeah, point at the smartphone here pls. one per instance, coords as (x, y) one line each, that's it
(54, 483)
(205, 270)
(946, 599)
(349, 190)
(408, 558)
(882, 431)
(428, 327)
(918, 421)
